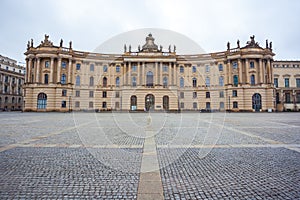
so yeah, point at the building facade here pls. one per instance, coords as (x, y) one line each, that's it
(11, 84)
(62, 79)
(287, 84)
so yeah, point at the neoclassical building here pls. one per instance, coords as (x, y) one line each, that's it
(11, 84)
(61, 79)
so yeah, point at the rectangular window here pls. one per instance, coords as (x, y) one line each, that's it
(118, 68)
(234, 65)
(235, 80)
(221, 94)
(207, 94)
(298, 82)
(181, 105)
(181, 95)
(207, 105)
(77, 104)
(207, 82)
(133, 68)
(91, 104)
(104, 104)
(298, 98)
(286, 82)
(105, 68)
(235, 104)
(194, 95)
(287, 98)
(63, 65)
(194, 69)
(104, 94)
(117, 94)
(165, 68)
(78, 65)
(234, 93)
(222, 105)
(117, 105)
(195, 106)
(91, 94)
(63, 104)
(47, 64)
(252, 64)
(207, 68)
(181, 69)
(92, 67)
(276, 82)
(77, 93)
(64, 93)
(220, 67)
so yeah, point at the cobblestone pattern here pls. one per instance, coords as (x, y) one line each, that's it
(244, 173)
(57, 173)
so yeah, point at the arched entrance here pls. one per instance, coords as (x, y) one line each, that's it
(256, 102)
(133, 102)
(166, 102)
(41, 101)
(149, 102)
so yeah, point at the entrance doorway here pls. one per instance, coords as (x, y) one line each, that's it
(166, 102)
(149, 102)
(133, 102)
(256, 102)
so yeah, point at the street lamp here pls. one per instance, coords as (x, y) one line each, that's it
(69, 103)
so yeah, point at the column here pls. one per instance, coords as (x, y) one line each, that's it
(269, 71)
(51, 70)
(240, 67)
(175, 75)
(143, 73)
(58, 70)
(160, 73)
(38, 71)
(247, 71)
(261, 72)
(69, 70)
(138, 78)
(29, 67)
(229, 75)
(129, 74)
(156, 75)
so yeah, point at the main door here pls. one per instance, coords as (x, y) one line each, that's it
(256, 102)
(149, 102)
(166, 103)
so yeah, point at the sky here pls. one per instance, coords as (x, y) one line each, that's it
(210, 23)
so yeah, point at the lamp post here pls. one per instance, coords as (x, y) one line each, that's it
(228, 103)
(69, 103)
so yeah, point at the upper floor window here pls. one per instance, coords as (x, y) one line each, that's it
(77, 93)
(297, 82)
(104, 82)
(78, 65)
(194, 69)
(181, 95)
(133, 68)
(47, 64)
(46, 78)
(104, 94)
(91, 81)
(234, 65)
(207, 68)
(181, 82)
(133, 81)
(181, 69)
(207, 94)
(105, 68)
(118, 68)
(235, 80)
(63, 79)
(286, 82)
(252, 79)
(221, 94)
(165, 68)
(220, 67)
(118, 82)
(77, 81)
(276, 82)
(194, 82)
(194, 95)
(91, 93)
(117, 94)
(6, 79)
(207, 82)
(252, 64)
(165, 82)
(64, 93)
(234, 93)
(63, 64)
(92, 67)
(221, 81)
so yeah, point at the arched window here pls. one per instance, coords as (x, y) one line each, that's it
(41, 101)
(133, 102)
(235, 80)
(104, 83)
(6, 100)
(13, 100)
(207, 82)
(133, 81)
(149, 82)
(181, 82)
(19, 101)
(91, 81)
(221, 81)
(252, 79)
(63, 79)
(118, 82)
(165, 82)
(194, 82)
(46, 78)
(181, 69)
(78, 80)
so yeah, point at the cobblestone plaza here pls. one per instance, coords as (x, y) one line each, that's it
(149, 155)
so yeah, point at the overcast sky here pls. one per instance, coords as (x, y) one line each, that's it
(210, 23)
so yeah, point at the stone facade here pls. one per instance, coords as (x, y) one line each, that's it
(62, 79)
(11, 82)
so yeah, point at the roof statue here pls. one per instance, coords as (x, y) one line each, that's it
(46, 42)
(252, 43)
(150, 46)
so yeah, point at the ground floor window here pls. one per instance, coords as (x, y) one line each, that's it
(222, 105)
(181, 105)
(41, 101)
(207, 105)
(195, 106)
(104, 105)
(235, 104)
(77, 104)
(63, 104)
(91, 104)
